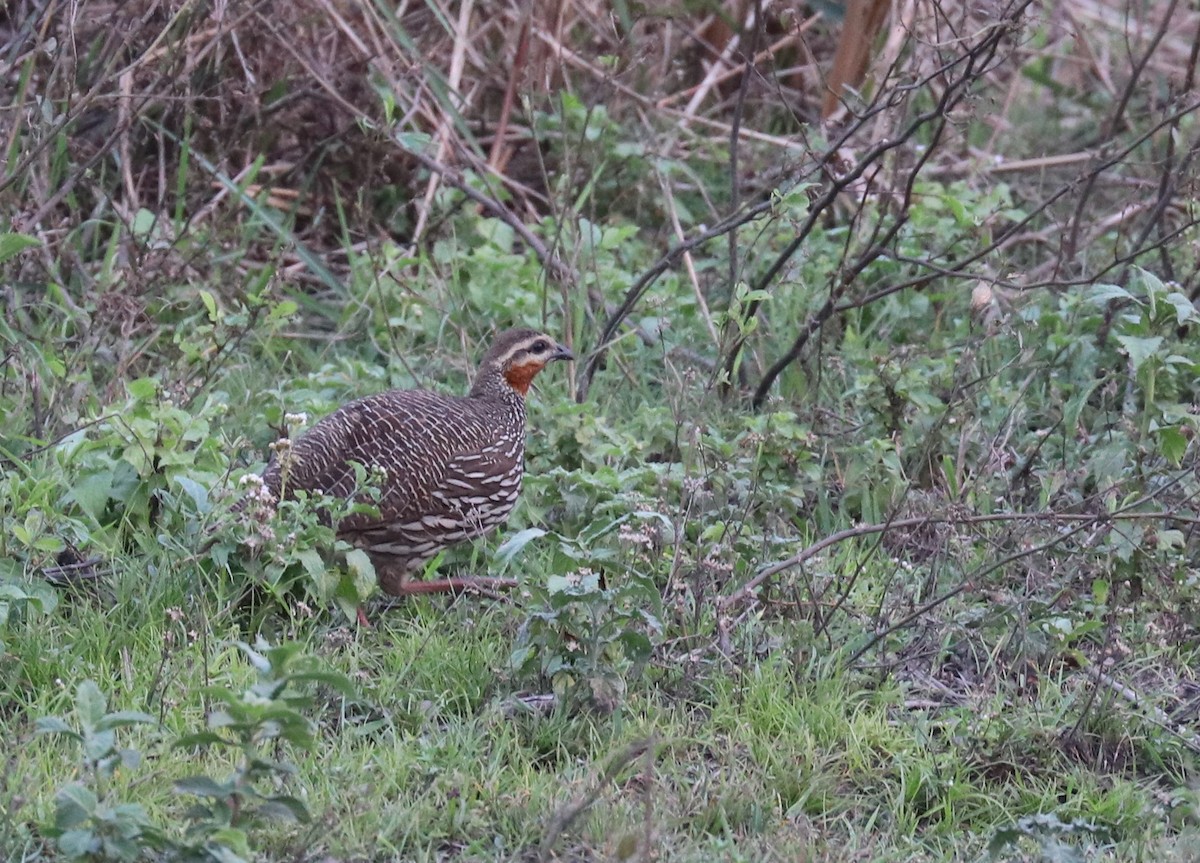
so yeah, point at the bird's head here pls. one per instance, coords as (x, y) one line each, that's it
(516, 357)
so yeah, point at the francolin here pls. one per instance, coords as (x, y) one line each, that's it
(451, 465)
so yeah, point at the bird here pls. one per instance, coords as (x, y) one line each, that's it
(451, 466)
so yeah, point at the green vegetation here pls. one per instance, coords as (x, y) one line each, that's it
(863, 529)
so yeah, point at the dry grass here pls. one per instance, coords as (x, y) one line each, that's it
(320, 104)
(149, 144)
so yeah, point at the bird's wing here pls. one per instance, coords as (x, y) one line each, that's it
(467, 494)
(439, 458)
(318, 461)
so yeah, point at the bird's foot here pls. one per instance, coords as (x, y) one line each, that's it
(456, 586)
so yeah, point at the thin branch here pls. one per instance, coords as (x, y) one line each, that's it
(1126, 513)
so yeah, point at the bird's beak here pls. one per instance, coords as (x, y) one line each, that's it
(561, 353)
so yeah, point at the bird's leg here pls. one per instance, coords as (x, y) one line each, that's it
(412, 587)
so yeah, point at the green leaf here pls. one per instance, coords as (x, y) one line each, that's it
(199, 739)
(229, 845)
(1101, 294)
(637, 645)
(1171, 539)
(283, 309)
(197, 492)
(210, 304)
(99, 744)
(284, 806)
(143, 222)
(311, 560)
(362, 571)
(143, 389)
(513, 545)
(90, 704)
(202, 786)
(1184, 310)
(55, 725)
(1140, 349)
(1172, 444)
(574, 584)
(123, 718)
(51, 544)
(260, 662)
(332, 679)
(92, 492)
(520, 657)
(73, 805)
(79, 843)
(12, 245)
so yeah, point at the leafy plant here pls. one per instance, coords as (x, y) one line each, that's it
(1145, 315)
(1057, 841)
(591, 634)
(19, 601)
(90, 822)
(253, 724)
(310, 556)
(93, 822)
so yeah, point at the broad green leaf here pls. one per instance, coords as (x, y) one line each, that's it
(312, 562)
(1101, 294)
(260, 662)
(92, 492)
(513, 545)
(197, 492)
(345, 596)
(73, 804)
(143, 222)
(199, 739)
(90, 703)
(362, 571)
(143, 389)
(1140, 349)
(228, 845)
(1184, 309)
(79, 843)
(51, 544)
(519, 657)
(283, 309)
(573, 583)
(1172, 444)
(202, 786)
(123, 718)
(22, 534)
(1171, 538)
(637, 645)
(285, 806)
(332, 679)
(55, 725)
(99, 744)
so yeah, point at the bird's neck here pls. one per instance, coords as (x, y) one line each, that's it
(492, 385)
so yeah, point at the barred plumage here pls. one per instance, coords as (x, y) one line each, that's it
(453, 464)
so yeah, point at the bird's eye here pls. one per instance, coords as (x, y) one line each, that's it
(540, 347)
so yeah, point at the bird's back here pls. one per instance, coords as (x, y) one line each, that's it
(446, 460)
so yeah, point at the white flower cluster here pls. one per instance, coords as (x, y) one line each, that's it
(256, 490)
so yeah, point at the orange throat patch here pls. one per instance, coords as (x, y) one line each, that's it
(520, 377)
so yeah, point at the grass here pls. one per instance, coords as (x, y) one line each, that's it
(434, 758)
